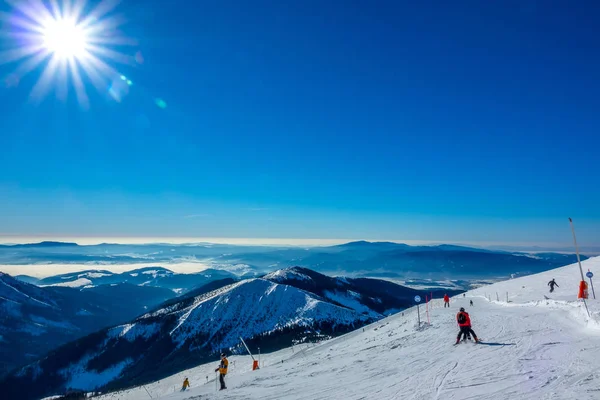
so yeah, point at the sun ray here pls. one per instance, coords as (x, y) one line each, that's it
(113, 55)
(80, 92)
(77, 10)
(29, 65)
(12, 55)
(113, 40)
(43, 85)
(92, 73)
(34, 9)
(62, 82)
(55, 9)
(103, 8)
(77, 40)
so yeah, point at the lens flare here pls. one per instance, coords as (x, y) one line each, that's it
(69, 42)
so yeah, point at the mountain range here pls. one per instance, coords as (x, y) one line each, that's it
(35, 319)
(279, 309)
(148, 276)
(383, 259)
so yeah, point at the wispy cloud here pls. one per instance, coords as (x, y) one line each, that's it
(196, 216)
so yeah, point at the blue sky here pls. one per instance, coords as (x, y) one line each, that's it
(444, 121)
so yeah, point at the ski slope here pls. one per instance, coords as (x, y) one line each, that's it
(534, 349)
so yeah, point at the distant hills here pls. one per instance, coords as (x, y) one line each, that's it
(34, 320)
(148, 276)
(36, 315)
(383, 259)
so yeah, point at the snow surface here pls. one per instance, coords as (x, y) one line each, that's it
(80, 377)
(350, 302)
(253, 307)
(533, 348)
(285, 274)
(93, 275)
(131, 332)
(80, 282)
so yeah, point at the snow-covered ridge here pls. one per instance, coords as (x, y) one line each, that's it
(284, 274)
(256, 306)
(533, 348)
(80, 282)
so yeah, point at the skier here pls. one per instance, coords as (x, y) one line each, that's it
(464, 322)
(222, 369)
(446, 301)
(471, 301)
(186, 384)
(552, 283)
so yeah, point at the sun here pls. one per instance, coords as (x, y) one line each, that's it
(65, 38)
(75, 43)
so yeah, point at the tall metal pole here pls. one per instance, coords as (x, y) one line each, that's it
(579, 262)
(576, 249)
(247, 348)
(419, 315)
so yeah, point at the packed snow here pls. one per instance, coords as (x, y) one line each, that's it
(538, 345)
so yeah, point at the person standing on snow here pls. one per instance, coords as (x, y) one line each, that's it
(446, 301)
(471, 302)
(222, 369)
(464, 322)
(552, 283)
(186, 384)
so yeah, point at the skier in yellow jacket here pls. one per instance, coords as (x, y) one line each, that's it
(186, 384)
(222, 370)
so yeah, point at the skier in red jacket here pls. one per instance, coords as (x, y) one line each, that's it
(446, 301)
(464, 322)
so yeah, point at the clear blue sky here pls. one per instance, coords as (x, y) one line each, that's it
(450, 121)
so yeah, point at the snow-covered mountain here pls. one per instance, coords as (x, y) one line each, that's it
(33, 319)
(265, 312)
(538, 345)
(148, 276)
(374, 297)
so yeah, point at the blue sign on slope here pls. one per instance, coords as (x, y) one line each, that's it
(418, 299)
(589, 274)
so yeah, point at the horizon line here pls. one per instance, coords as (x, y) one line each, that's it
(316, 242)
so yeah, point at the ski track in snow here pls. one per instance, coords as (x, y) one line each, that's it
(532, 349)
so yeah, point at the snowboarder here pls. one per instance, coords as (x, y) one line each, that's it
(222, 369)
(446, 301)
(186, 384)
(471, 302)
(464, 322)
(552, 283)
